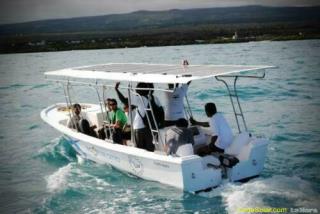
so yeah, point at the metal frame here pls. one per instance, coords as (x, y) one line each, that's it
(106, 85)
(106, 111)
(130, 91)
(69, 103)
(133, 140)
(188, 108)
(105, 114)
(233, 93)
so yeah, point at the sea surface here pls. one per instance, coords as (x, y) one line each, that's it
(40, 172)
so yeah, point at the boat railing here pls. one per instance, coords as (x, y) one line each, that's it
(94, 84)
(234, 97)
(66, 91)
(157, 139)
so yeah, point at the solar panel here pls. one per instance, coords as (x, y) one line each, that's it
(155, 73)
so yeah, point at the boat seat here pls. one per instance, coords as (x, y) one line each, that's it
(63, 122)
(239, 143)
(202, 138)
(95, 118)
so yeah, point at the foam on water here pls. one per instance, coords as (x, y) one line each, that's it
(80, 159)
(58, 180)
(82, 179)
(277, 191)
(57, 152)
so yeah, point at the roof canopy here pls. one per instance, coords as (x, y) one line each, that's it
(155, 73)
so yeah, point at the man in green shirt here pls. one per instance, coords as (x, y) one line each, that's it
(118, 120)
(117, 116)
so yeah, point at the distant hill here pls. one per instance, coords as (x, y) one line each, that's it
(162, 28)
(155, 20)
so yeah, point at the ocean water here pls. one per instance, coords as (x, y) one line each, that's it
(41, 173)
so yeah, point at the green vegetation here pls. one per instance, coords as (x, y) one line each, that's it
(163, 28)
(196, 35)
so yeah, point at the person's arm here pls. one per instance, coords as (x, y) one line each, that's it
(122, 98)
(121, 119)
(194, 122)
(117, 125)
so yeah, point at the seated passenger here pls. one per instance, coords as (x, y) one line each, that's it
(118, 120)
(179, 139)
(73, 122)
(220, 131)
(127, 128)
(79, 123)
(106, 130)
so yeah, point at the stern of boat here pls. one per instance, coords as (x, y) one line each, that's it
(198, 176)
(251, 160)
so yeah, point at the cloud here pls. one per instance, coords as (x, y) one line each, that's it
(29, 10)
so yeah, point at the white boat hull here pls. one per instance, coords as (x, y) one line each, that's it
(189, 173)
(185, 174)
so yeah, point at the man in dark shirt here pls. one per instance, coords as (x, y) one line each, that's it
(179, 139)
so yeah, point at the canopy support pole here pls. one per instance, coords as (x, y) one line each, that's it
(133, 140)
(69, 103)
(106, 111)
(101, 102)
(233, 94)
(188, 108)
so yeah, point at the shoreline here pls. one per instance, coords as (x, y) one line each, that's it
(57, 46)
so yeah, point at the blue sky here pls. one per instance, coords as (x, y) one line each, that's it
(12, 11)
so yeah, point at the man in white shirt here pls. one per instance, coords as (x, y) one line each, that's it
(220, 130)
(174, 108)
(79, 123)
(73, 122)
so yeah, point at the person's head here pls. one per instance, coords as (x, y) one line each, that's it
(142, 85)
(107, 103)
(210, 109)
(76, 108)
(182, 123)
(113, 104)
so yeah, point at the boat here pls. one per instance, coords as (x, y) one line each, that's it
(190, 173)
